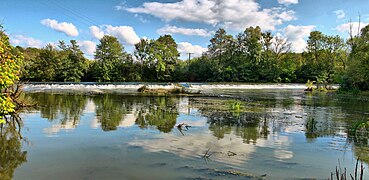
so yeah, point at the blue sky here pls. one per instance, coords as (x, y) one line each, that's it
(191, 22)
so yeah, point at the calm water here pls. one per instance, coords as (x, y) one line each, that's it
(274, 134)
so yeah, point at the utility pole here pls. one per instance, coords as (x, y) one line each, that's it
(189, 57)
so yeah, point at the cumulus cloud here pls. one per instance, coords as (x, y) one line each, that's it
(125, 34)
(234, 14)
(287, 2)
(67, 28)
(24, 41)
(96, 32)
(186, 47)
(297, 35)
(88, 47)
(340, 14)
(185, 31)
(355, 26)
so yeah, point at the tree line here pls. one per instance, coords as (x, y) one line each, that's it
(250, 56)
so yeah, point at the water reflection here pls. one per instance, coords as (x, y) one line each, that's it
(263, 121)
(110, 110)
(162, 113)
(63, 110)
(11, 154)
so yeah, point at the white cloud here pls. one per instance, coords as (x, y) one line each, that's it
(287, 2)
(68, 28)
(125, 34)
(186, 47)
(355, 26)
(140, 18)
(88, 47)
(96, 32)
(234, 14)
(185, 31)
(20, 40)
(297, 35)
(340, 14)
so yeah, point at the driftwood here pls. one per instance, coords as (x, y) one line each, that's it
(181, 127)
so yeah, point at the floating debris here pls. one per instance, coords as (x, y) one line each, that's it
(230, 153)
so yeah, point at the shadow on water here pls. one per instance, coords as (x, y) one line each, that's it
(11, 154)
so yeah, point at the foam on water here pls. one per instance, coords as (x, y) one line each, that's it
(248, 86)
(134, 86)
(92, 87)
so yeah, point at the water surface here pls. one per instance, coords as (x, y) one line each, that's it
(273, 134)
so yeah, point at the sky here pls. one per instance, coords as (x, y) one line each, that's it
(192, 23)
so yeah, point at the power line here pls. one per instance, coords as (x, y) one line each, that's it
(71, 13)
(80, 15)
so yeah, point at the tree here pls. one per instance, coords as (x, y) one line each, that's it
(110, 57)
(73, 64)
(218, 44)
(28, 66)
(158, 57)
(358, 66)
(166, 55)
(322, 57)
(280, 46)
(220, 51)
(10, 61)
(47, 64)
(250, 52)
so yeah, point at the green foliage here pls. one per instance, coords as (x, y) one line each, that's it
(359, 128)
(10, 62)
(65, 63)
(356, 76)
(250, 56)
(158, 57)
(235, 105)
(73, 64)
(309, 84)
(311, 128)
(110, 57)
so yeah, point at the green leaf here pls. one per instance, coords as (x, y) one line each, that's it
(2, 121)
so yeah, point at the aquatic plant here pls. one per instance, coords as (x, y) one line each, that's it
(309, 84)
(311, 129)
(340, 174)
(359, 128)
(235, 106)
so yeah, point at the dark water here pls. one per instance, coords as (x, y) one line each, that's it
(270, 134)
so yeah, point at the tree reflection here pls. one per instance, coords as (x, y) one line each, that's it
(244, 124)
(67, 106)
(162, 113)
(110, 110)
(11, 154)
(249, 121)
(360, 147)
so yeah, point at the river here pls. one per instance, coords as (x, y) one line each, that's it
(235, 131)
